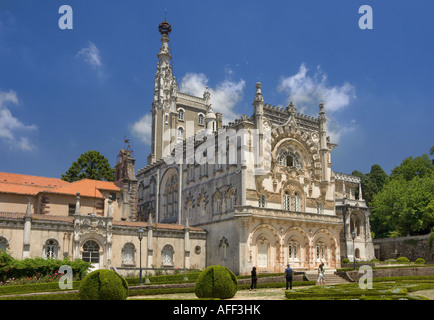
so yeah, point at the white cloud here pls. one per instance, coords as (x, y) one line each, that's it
(11, 128)
(224, 97)
(306, 92)
(92, 56)
(142, 129)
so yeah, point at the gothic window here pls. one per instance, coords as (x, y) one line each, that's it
(320, 250)
(152, 187)
(202, 206)
(230, 202)
(170, 197)
(297, 202)
(287, 201)
(262, 201)
(180, 133)
(128, 253)
(217, 204)
(167, 255)
(181, 114)
(289, 159)
(50, 249)
(3, 244)
(91, 251)
(141, 191)
(293, 250)
(201, 118)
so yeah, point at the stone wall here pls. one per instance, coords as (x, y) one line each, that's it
(410, 247)
(389, 272)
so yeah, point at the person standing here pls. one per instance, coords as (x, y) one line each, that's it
(254, 279)
(321, 274)
(288, 275)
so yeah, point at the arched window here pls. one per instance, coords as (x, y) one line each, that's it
(293, 250)
(4, 244)
(170, 197)
(180, 133)
(200, 120)
(217, 203)
(91, 251)
(320, 250)
(289, 159)
(287, 201)
(51, 249)
(128, 252)
(167, 255)
(181, 114)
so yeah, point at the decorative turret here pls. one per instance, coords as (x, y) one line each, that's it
(211, 119)
(258, 105)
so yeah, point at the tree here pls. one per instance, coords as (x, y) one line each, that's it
(404, 206)
(372, 183)
(431, 152)
(410, 167)
(90, 165)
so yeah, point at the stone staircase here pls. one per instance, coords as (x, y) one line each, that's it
(330, 277)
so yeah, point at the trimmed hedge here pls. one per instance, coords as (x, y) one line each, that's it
(216, 282)
(103, 285)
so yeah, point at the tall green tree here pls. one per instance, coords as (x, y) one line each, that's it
(372, 182)
(405, 205)
(412, 167)
(90, 165)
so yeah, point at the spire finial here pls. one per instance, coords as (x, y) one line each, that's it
(165, 28)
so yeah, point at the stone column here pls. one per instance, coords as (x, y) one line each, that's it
(27, 231)
(150, 251)
(109, 233)
(187, 245)
(76, 236)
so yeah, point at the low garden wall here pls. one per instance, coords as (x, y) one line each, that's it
(354, 275)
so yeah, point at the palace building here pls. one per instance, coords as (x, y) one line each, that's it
(262, 186)
(258, 191)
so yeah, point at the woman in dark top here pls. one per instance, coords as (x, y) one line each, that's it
(254, 279)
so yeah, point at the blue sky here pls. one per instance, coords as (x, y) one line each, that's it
(65, 92)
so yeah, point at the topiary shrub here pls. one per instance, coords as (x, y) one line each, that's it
(402, 260)
(103, 285)
(345, 260)
(216, 282)
(420, 261)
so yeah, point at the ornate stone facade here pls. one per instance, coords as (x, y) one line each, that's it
(262, 186)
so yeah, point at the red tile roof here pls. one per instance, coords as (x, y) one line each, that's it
(25, 184)
(32, 185)
(86, 187)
